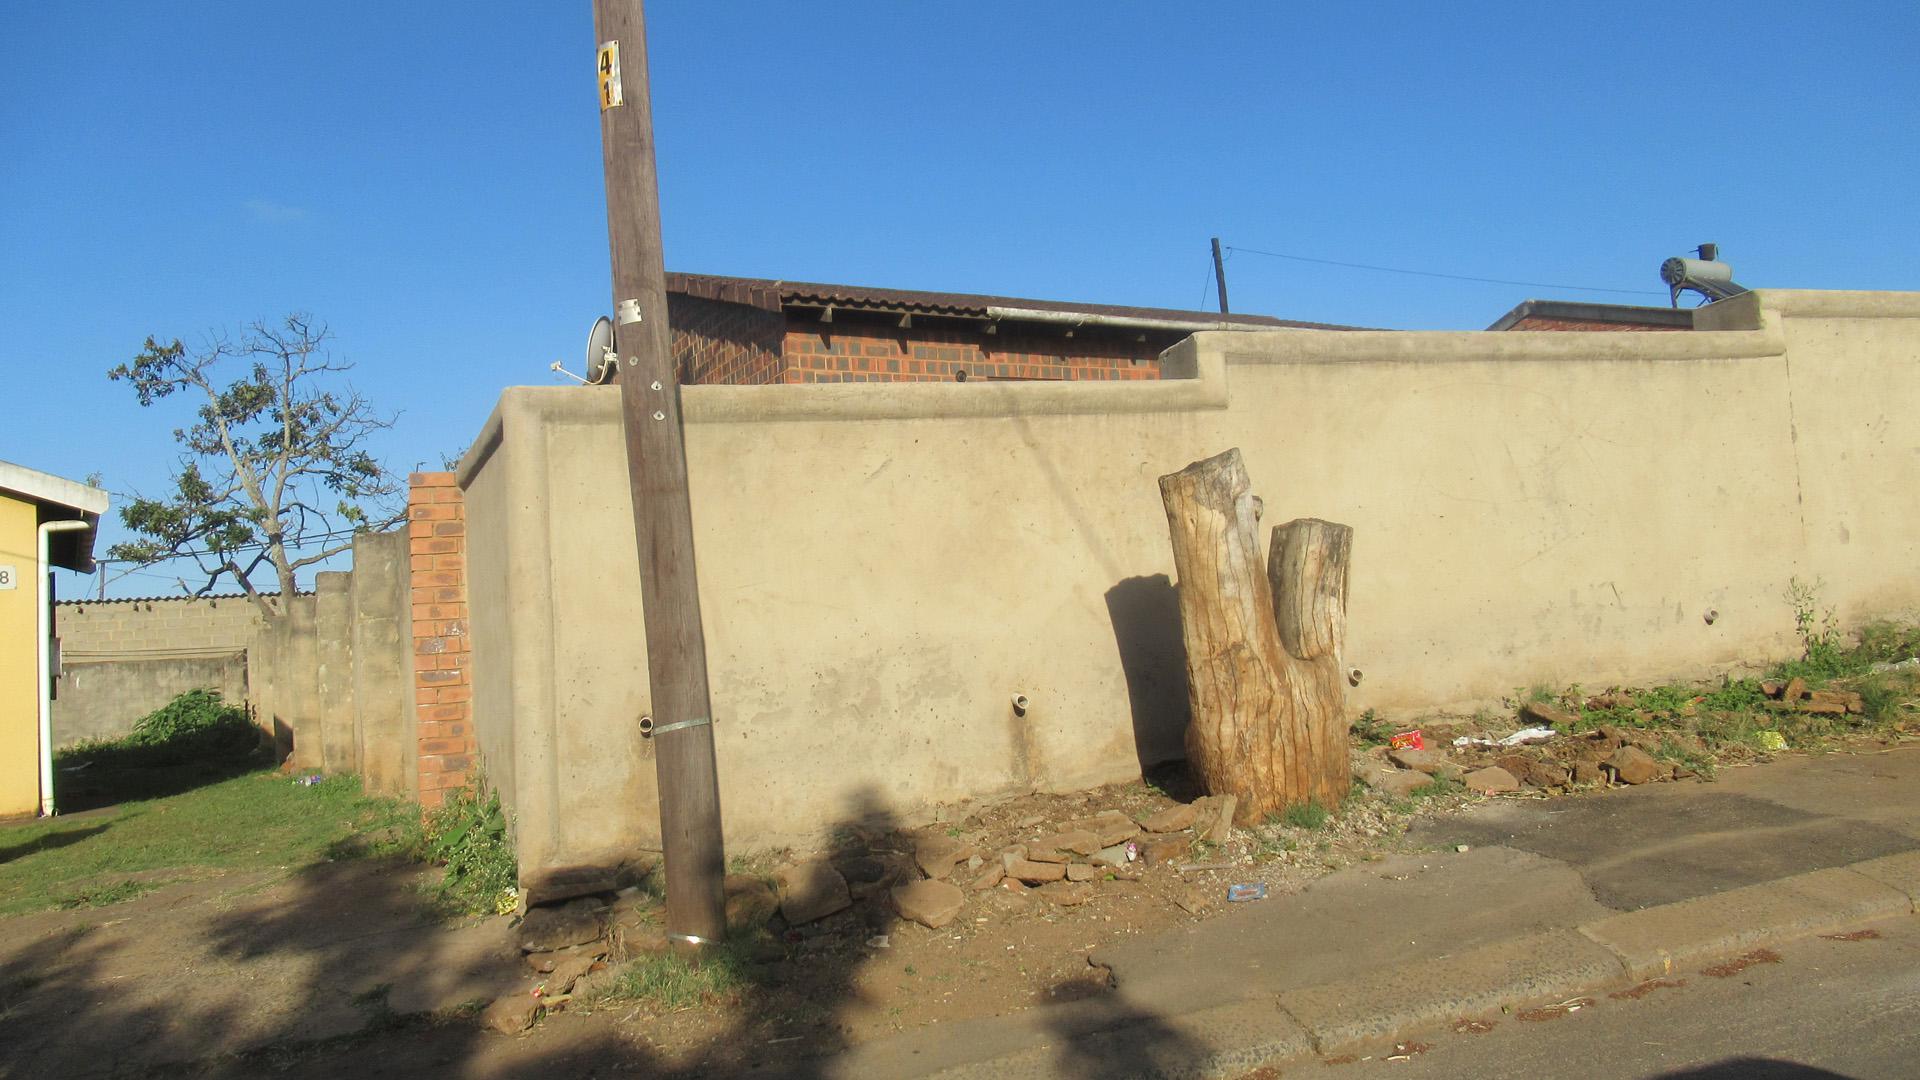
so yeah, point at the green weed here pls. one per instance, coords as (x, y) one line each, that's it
(467, 835)
(1308, 815)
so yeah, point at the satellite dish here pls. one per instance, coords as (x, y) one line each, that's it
(602, 361)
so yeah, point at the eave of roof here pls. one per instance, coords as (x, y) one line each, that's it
(66, 500)
(771, 295)
(1581, 311)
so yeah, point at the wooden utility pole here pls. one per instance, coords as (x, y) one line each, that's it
(657, 470)
(1220, 274)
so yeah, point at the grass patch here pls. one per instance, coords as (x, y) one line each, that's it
(118, 892)
(1308, 815)
(669, 982)
(256, 821)
(1438, 787)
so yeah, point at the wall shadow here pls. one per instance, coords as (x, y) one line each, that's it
(1145, 612)
(48, 841)
(1747, 1068)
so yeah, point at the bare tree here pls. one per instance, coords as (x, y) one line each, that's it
(274, 470)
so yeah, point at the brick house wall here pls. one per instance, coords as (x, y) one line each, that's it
(869, 353)
(442, 679)
(733, 344)
(1536, 322)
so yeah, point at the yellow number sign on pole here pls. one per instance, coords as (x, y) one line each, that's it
(609, 75)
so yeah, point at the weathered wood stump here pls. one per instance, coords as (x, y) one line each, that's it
(1264, 676)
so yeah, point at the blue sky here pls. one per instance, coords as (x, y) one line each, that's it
(426, 178)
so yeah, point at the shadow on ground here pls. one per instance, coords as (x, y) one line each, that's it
(336, 968)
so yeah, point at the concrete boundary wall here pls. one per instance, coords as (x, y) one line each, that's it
(332, 680)
(883, 566)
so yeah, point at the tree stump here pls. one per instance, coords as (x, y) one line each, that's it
(1264, 675)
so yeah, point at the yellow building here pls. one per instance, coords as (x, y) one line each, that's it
(45, 522)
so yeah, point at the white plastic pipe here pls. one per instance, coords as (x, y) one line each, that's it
(42, 581)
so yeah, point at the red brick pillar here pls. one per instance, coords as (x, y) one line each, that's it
(442, 683)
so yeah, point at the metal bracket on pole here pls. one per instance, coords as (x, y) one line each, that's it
(648, 730)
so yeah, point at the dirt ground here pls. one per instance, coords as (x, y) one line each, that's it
(297, 972)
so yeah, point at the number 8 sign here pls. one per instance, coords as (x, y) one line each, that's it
(9, 577)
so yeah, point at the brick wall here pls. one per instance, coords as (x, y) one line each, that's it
(101, 627)
(732, 344)
(866, 353)
(443, 684)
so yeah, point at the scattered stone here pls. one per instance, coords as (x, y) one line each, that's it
(1034, 873)
(1490, 781)
(1536, 773)
(1395, 783)
(1539, 712)
(750, 901)
(567, 883)
(1222, 828)
(1030, 821)
(932, 904)
(1062, 846)
(1191, 900)
(858, 870)
(1794, 690)
(811, 890)
(567, 972)
(575, 922)
(513, 1014)
(1165, 850)
(1633, 765)
(1588, 772)
(1109, 827)
(632, 937)
(974, 862)
(936, 854)
(595, 983)
(1082, 872)
(1067, 894)
(989, 877)
(544, 962)
(1462, 848)
(1173, 819)
(1773, 688)
(1112, 856)
(1822, 708)
(1430, 762)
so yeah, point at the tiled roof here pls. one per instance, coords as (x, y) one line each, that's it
(771, 295)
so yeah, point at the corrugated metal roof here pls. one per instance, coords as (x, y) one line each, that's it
(772, 295)
(175, 598)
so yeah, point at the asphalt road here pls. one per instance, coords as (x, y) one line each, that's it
(1827, 1008)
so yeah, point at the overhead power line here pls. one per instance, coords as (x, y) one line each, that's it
(1450, 277)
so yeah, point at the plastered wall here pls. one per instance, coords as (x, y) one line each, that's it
(882, 567)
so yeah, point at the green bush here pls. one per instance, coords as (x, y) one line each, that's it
(468, 835)
(194, 728)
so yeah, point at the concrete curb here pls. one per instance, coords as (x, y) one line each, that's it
(1230, 1039)
(1383, 1003)
(1650, 942)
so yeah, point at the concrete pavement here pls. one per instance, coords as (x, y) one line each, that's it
(1551, 899)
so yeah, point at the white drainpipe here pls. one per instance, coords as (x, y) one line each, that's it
(43, 583)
